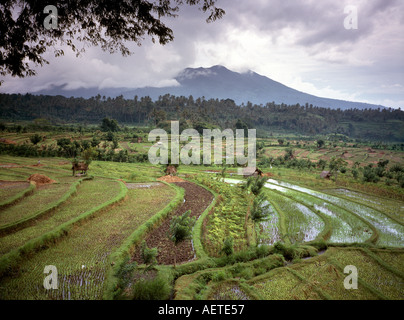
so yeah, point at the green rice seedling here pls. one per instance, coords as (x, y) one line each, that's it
(42, 199)
(82, 273)
(301, 223)
(392, 208)
(346, 227)
(89, 195)
(228, 290)
(372, 273)
(390, 232)
(277, 285)
(10, 195)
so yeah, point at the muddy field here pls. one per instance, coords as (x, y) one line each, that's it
(197, 199)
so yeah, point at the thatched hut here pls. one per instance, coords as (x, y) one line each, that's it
(251, 172)
(171, 170)
(325, 175)
(80, 166)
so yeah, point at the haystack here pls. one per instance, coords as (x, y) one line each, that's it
(40, 179)
(169, 179)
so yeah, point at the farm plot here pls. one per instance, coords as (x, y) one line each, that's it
(82, 257)
(227, 219)
(301, 223)
(390, 232)
(393, 208)
(269, 231)
(386, 283)
(43, 197)
(196, 199)
(9, 189)
(322, 277)
(345, 227)
(277, 285)
(394, 259)
(228, 291)
(89, 195)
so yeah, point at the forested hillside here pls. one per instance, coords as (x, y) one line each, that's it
(370, 124)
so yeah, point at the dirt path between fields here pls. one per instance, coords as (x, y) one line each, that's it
(197, 199)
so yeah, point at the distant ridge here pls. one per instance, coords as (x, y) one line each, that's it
(219, 82)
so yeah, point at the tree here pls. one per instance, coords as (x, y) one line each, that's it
(259, 211)
(105, 23)
(321, 164)
(320, 143)
(260, 208)
(254, 184)
(240, 124)
(109, 125)
(288, 154)
(336, 164)
(158, 116)
(180, 229)
(88, 155)
(35, 139)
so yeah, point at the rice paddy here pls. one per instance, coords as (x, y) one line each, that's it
(298, 251)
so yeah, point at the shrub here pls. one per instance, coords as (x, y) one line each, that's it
(228, 246)
(355, 173)
(262, 251)
(397, 168)
(36, 138)
(148, 254)
(219, 276)
(369, 175)
(151, 289)
(247, 273)
(284, 250)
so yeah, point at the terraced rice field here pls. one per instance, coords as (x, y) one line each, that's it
(82, 257)
(301, 223)
(85, 227)
(390, 232)
(323, 277)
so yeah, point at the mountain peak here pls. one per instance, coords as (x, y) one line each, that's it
(218, 82)
(195, 73)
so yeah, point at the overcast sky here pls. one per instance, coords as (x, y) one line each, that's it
(302, 44)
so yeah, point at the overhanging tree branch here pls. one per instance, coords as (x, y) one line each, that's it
(105, 23)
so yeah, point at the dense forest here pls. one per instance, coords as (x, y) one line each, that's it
(369, 124)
